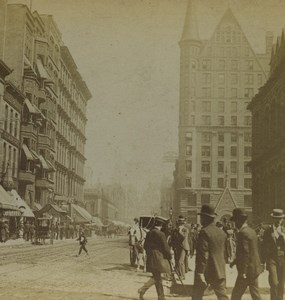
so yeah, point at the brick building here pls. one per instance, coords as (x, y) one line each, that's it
(218, 78)
(268, 138)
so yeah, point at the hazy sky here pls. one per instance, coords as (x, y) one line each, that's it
(128, 53)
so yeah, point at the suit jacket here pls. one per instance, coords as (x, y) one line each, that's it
(157, 251)
(247, 253)
(210, 256)
(270, 247)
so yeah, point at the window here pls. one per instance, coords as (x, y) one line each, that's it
(246, 167)
(188, 166)
(192, 199)
(192, 120)
(234, 78)
(248, 92)
(205, 199)
(247, 183)
(233, 151)
(16, 125)
(233, 167)
(222, 64)
(206, 137)
(247, 151)
(249, 64)
(192, 106)
(193, 64)
(6, 117)
(221, 107)
(188, 150)
(234, 106)
(205, 167)
(221, 151)
(248, 78)
(206, 120)
(247, 201)
(220, 167)
(11, 121)
(233, 93)
(206, 92)
(259, 79)
(188, 136)
(221, 92)
(206, 78)
(206, 106)
(206, 151)
(247, 137)
(221, 137)
(233, 183)
(205, 182)
(220, 183)
(233, 137)
(188, 182)
(234, 65)
(234, 120)
(221, 78)
(221, 120)
(247, 120)
(206, 64)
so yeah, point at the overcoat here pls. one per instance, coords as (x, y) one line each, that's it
(210, 254)
(157, 252)
(247, 253)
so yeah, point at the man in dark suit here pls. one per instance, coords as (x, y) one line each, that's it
(210, 257)
(158, 257)
(273, 249)
(247, 258)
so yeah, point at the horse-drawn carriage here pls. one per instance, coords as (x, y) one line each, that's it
(137, 235)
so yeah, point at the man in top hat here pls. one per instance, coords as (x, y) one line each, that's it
(181, 247)
(210, 258)
(273, 249)
(247, 258)
(158, 257)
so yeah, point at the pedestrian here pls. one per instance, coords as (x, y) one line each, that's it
(273, 249)
(82, 242)
(158, 257)
(210, 260)
(247, 258)
(32, 232)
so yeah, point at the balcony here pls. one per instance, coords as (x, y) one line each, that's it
(29, 128)
(43, 183)
(27, 177)
(44, 139)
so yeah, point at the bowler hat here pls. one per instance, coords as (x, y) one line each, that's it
(277, 213)
(238, 214)
(181, 220)
(208, 210)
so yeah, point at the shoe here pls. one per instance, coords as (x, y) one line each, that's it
(141, 293)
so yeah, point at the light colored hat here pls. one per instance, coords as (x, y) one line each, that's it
(277, 213)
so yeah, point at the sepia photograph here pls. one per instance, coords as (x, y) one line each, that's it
(142, 149)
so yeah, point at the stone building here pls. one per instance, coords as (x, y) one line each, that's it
(268, 138)
(218, 78)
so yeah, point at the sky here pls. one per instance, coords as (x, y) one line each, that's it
(127, 52)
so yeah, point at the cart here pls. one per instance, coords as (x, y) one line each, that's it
(42, 229)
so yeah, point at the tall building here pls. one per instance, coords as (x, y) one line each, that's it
(218, 78)
(268, 139)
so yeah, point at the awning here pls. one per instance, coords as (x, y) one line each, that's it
(35, 155)
(30, 106)
(41, 69)
(80, 215)
(37, 206)
(43, 162)
(27, 152)
(53, 210)
(6, 202)
(97, 221)
(22, 205)
(51, 166)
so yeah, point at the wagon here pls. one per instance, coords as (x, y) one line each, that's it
(43, 228)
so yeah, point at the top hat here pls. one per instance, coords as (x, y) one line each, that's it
(208, 210)
(238, 214)
(277, 213)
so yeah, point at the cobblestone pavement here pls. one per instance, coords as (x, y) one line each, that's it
(54, 272)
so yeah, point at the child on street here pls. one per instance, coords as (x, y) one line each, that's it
(82, 242)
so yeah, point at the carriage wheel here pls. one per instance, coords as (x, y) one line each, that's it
(133, 256)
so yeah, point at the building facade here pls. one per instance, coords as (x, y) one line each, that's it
(268, 134)
(218, 78)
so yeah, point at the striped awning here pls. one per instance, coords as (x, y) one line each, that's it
(51, 166)
(30, 106)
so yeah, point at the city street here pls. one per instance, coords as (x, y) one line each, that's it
(54, 272)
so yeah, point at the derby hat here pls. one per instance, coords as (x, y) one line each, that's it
(181, 220)
(238, 214)
(208, 210)
(277, 213)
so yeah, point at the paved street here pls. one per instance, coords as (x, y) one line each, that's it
(54, 272)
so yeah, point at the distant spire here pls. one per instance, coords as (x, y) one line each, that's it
(190, 30)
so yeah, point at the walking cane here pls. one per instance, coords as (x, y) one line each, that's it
(173, 270)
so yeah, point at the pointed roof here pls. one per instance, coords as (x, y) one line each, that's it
(190, 30)
(226, 201)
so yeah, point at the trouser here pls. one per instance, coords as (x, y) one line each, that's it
(82, 247)
(276, 278)
(181, 262)
(158, 284)
(219, 287)
(241, 285)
